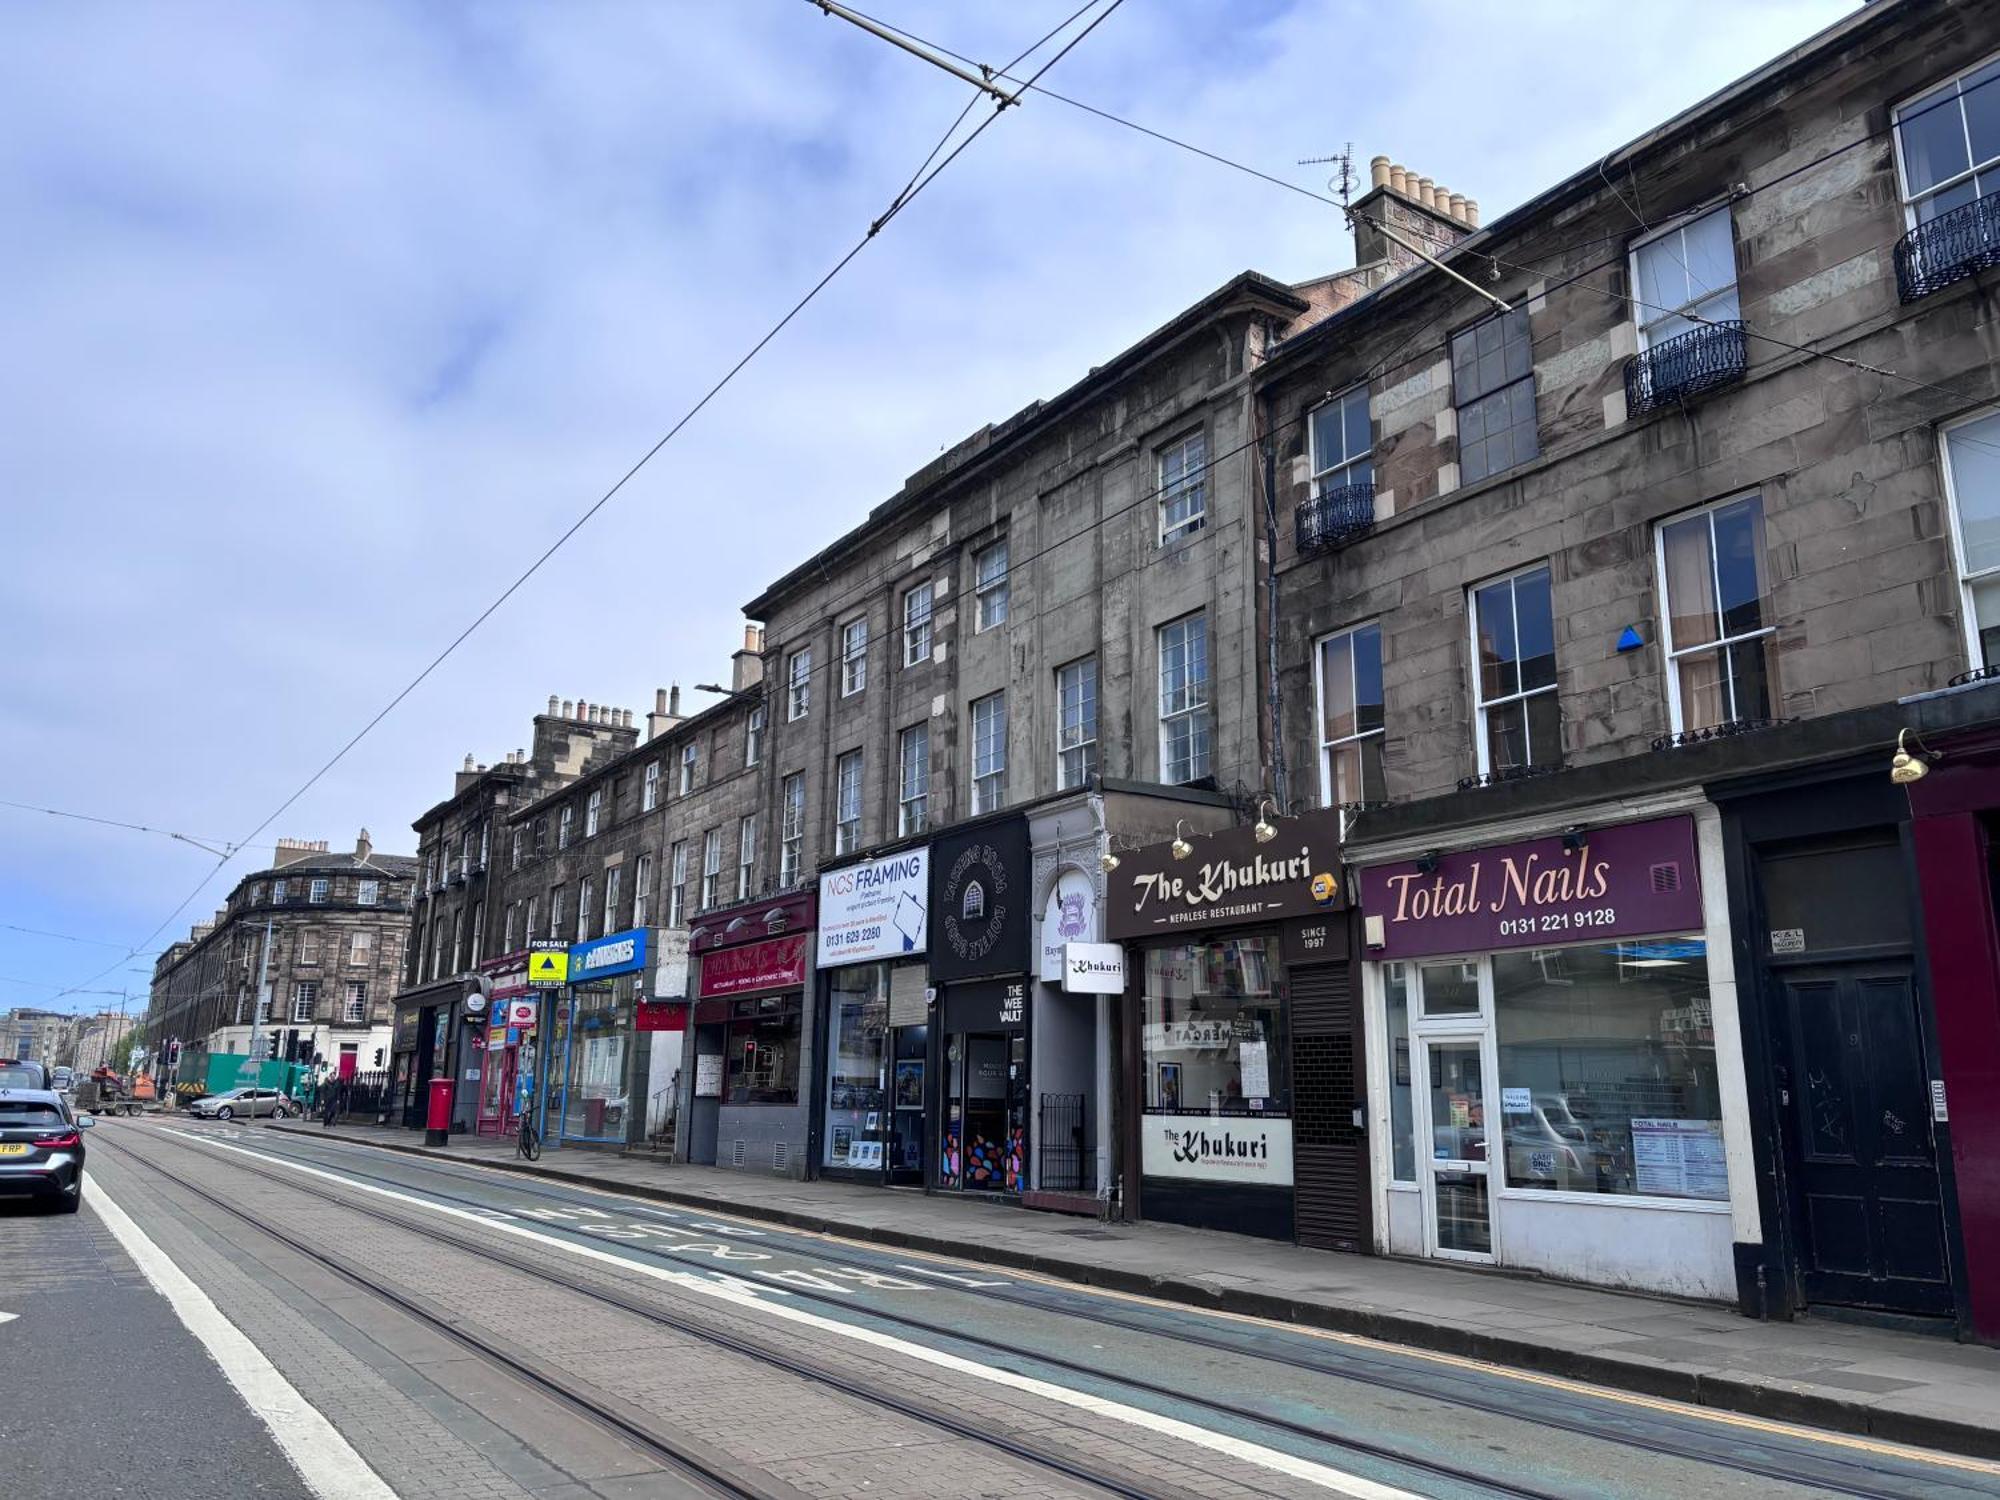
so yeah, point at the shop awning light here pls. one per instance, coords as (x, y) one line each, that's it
(1904, 767)
(1262, 830)
(1180, 848)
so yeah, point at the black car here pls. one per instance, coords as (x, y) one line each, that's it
(41, 1147)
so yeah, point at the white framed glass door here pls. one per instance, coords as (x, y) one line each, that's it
(1456, 1122)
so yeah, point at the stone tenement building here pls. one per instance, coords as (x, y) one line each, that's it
(336, 925)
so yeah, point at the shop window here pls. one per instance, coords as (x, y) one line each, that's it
(857, 1042)
(1350, 717)
(1396, 1014)
(1076, 723)
(763, 1051)
(1719, 630)
(1450, 988)
(1972, 478)
(1514, 645)
(1607, 1070)
(1215, 1038)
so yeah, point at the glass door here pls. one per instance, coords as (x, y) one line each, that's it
(1457, 1179)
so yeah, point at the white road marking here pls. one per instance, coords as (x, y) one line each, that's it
(325, 1460)
(749, 1295)
(8, 1317)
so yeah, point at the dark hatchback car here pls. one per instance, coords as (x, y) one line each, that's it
(41, 1148)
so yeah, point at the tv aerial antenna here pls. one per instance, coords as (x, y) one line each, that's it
(1342, 182)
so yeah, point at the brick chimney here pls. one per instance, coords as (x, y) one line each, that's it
(666, 712)
(747, 665)
(363, 847)
(1416, 208)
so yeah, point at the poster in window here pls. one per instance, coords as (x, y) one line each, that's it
(843, 1142)
(708, 1075)
(1679, 1158)
(910, 1085)
(1254, 1058)
(1170, 1085)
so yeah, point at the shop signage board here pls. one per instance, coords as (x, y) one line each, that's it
(773, 964)
(1217, 1148)
(1627, 880)
(661, 1015)
(980, 884)
(670, 963)
(874, 910)
(986, 1005)
(1093, 968)
(1228, 880)
(615, 953)
(507, 977)
(1069, 917)
(521, 1013)
(548, 965)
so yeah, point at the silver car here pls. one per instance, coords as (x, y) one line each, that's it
(246, 1102)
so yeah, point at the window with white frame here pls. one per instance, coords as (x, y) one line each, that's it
(917, 624)
(753, 737)
(556, 911)
(1684, 278)
(309, 946)
(453, 963)
(278, 896)
(478, 932)
(1183, 487)
(989, 752)
(649, 789)
(1514, 679)
(1076, 723)
(690, 764)
(746, 856)
(1720, 624)
(1351, 732)
(1184, 722)
(847, 803)
(1948, 144)
(711, 868)
(1493, 387)
(854, 656)
(515, 857)
(507, 927)
(464, 853)
(642, 889)
(1342, 443)
(677, 862)
(534, 916)
(563, 824)
(485, 841)
(914, 783)
(367, 892)
(360, 947)
(585, 892)
(791, 828)
(990, 586)
(593, 811)
(305, 999)
(798, 683)
(355, 1010)
(1972, 480)
(614, 877)
(317, 892)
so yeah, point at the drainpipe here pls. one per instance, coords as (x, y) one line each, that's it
(1280, 780)
(1101, 1083)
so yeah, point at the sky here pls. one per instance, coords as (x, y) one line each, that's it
(320, 322)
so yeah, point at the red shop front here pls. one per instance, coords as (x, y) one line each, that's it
(506, 1067)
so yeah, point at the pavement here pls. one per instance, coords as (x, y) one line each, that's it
(1896, 1386)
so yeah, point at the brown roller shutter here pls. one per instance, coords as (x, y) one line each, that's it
(1329, 1156)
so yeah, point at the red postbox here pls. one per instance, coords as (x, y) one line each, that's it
(437, 1119)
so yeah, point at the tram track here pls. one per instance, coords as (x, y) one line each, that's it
(705, 1470)
(1779, 1464)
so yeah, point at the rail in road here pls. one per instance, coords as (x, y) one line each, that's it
(1340, 1412)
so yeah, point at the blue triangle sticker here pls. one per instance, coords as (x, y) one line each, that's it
(1629, 640)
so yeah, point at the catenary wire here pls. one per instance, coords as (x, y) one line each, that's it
(902, 201)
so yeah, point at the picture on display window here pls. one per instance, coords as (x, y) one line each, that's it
(1170, 1086)
(910, 1085)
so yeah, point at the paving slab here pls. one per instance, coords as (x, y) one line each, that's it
(1892, 1384)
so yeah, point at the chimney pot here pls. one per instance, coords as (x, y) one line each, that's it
(1378, 171)
(1426, 192)
(568, 709)
(1458, 207)
(659, 700)
(625, 718)
(1472, 212)
(468, 761)
(1399, 179)
(674, 701)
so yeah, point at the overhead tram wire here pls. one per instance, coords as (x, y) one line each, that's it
(925, 178)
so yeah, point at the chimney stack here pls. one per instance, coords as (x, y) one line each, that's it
(666, 712)
(1417, 208)
(746, 667)
(363, 846)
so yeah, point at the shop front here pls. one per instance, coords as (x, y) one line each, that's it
(592, 1042)
(1556, 1073)
(421, 1047)
(981, 962)
(874, 1000)
(753, 971)
(1240, 1032)
(506, 1066)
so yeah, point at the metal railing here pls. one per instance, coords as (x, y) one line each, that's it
(1335, 517)
(1699, 360)
(1957, 244)
(1067, 1165)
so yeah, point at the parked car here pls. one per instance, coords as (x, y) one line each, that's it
(249, 1102)
(62, 1080)
(41, 1148)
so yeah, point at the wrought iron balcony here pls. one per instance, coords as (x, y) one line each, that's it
(1335, 517)
(1700, 360)
(1951, 247)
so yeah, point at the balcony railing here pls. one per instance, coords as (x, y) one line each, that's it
(1336, 517)
(1697, 361)
(1951, 247)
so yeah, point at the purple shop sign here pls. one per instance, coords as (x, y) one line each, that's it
(1625, 881)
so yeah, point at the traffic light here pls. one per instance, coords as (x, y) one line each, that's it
(378, 1057)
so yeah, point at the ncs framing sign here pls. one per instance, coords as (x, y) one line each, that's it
(875, 910)
(1628, 880)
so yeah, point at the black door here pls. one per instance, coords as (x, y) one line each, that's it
(1866, 1208)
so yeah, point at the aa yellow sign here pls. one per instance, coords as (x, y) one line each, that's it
(549, 970)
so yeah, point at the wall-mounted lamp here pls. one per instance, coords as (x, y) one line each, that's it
(1427, 863)
(1574, 837)
(1180, 848)
(1904, 767)
(1262, 830)
(1108, 860)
